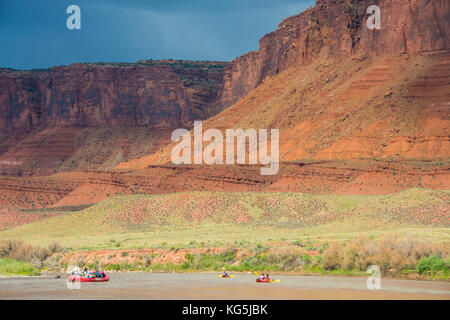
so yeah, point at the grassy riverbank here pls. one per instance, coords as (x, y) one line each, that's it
(395, 256)
(10, 267)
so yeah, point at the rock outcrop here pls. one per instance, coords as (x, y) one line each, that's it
(340, 26)
(159, 94)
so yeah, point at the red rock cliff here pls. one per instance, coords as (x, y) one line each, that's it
(161, 94)
(407, 26)
(93, 116)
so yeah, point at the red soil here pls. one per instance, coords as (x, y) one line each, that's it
(105, 257)
(339, 177)
(13, 218)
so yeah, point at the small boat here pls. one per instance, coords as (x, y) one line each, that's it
(226, 276)
(264, 280)
(79, 278)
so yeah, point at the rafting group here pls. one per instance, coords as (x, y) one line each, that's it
(88, 275)
(99, 275)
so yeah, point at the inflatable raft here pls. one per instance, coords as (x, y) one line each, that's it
(78, 278)
(264, 280)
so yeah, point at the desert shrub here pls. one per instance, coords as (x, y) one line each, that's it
(306, 259)
(391, 254)
(124, 254)
(298, 243)
(50, 263)
(216, 261)
(288, 259)
(432, 264)
(114, 267)
(18, 250)
(229, 255)
(331, 259)
(318, 260)
(147, 259)
(259, 249)
(255, 262)
(9, 246)
(55, 247)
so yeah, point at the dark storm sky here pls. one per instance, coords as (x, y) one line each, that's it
(33, 33)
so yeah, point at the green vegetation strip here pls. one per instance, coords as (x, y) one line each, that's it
(10, 267)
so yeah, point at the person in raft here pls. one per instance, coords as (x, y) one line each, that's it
(225, 273)
(91, 273)
(267, 277)
(262, 276)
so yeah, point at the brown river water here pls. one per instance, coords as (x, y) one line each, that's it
(202, 286)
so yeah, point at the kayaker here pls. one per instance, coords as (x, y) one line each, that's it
(224, 272)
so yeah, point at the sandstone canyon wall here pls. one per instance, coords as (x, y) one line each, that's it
(158, 94)
(93, 116)
(408, 26)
